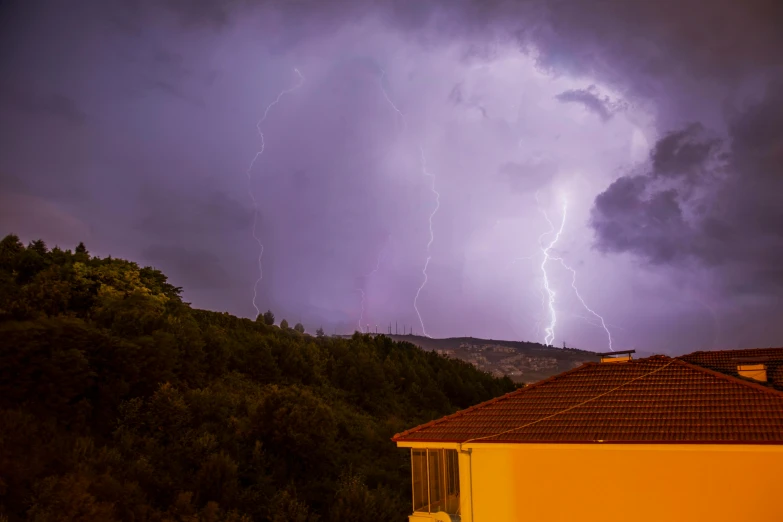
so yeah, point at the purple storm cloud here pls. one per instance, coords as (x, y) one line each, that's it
(130, 125)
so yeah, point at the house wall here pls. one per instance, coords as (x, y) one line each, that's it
(621, 483)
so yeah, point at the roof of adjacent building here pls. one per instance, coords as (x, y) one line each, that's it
(654, 400)
(725, 361)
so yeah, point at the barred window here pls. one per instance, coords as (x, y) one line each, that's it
(435, 475)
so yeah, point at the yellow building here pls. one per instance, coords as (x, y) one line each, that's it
(656, 439)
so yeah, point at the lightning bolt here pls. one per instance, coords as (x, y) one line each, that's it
(401, 117)
(250, 185)
(578, 296)
(550, 294)
(549, 336)
(361, 315)
(429, 244)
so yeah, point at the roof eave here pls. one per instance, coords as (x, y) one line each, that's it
(443, 443)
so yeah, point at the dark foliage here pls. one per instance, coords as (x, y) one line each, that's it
(118, 402)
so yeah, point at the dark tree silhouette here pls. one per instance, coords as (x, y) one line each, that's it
(118, 401)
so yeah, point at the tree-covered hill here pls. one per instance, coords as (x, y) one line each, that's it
(118, 401)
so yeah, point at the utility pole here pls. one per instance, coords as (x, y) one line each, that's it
(395, 327)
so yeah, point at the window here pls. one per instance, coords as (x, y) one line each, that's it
(420, 483)
(435, 480)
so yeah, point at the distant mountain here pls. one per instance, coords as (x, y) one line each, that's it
(523, 362)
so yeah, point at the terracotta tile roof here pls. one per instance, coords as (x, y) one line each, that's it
(725, 361)
(653, 400)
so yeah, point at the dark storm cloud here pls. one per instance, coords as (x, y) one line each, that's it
(32, 217)
(589, 99)
(628, 218)
(677, 53)
(198, 12)
(641, 40)
(683, 153)
(169, 59)
(174, 67)
(168, 214)
(52, 105)
(736, 219)
(323, 197)
(199, 269)
(649, 49)
(174, 90)
(187, 233)
(11, 183)
(727, 37)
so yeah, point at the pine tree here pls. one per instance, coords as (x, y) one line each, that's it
(81, 252)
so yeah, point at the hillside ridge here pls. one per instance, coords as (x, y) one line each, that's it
(120, 401)
(524, 362)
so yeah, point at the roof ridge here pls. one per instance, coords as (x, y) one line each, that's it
(490, 401)
(730, 378)
(731, 350)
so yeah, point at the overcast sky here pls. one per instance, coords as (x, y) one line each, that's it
(651, 132)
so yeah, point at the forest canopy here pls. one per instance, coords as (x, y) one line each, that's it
(121, 402)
